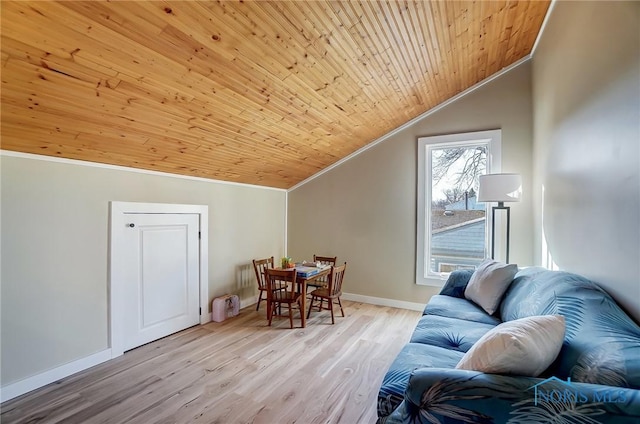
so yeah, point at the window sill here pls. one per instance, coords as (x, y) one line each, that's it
(433, 281)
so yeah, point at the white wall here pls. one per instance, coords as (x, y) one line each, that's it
(55, 229)
(586, 96)
(364, 210)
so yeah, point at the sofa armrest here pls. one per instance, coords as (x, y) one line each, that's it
(452, 395)
(456, 283)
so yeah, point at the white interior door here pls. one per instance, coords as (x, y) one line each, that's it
(161, 265)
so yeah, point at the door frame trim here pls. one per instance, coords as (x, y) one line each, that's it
(117, 224)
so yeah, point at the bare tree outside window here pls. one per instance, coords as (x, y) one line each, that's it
(460, 165)
(457, 220)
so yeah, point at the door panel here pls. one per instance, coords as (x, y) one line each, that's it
(162, 283)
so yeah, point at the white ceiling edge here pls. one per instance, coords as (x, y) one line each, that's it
(545, 21)
(33, 156)
(414, 120)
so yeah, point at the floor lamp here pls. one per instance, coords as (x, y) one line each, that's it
(500, 188)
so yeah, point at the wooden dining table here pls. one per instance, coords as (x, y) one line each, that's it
(302, 282)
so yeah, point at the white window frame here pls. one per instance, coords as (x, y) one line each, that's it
(424, 276)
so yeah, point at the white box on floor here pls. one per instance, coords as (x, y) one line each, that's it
(224, 307)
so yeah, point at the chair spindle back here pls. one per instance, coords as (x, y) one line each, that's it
(260, 266)
(335, 279)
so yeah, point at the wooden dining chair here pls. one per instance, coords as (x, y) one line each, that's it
(260, 266)
(322, 281)
(277, 297)
(332, 292)
(324, 260)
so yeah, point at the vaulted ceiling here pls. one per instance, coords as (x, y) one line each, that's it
(266, 93)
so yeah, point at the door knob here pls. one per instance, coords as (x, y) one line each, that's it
(132, 225)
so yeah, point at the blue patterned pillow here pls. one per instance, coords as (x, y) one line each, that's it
(457, 283)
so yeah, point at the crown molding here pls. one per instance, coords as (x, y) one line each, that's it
(542, 28)
(10, 153)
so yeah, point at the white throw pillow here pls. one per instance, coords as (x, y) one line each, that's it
(488, 283)
(525, 346)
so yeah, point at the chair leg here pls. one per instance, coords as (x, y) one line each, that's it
(310, 306)
(290, 316)
(341, 310)
(330, 302)
(271, 313)
(259, 300)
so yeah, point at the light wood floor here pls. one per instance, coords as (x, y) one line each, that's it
(237, 371)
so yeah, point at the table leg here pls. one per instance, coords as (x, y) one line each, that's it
(268, 306)
(304, 303)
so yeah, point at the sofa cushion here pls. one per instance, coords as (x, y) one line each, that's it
(449, 333)
(411, 357)
(457, 283)
(601, 344)
(525, 346)
(453, 307)
(489, 282)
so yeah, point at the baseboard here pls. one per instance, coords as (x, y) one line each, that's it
(21, 387)
(248, 301)
(384, 302)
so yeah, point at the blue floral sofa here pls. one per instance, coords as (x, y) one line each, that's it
(595, 377)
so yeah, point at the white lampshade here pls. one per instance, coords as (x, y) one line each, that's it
(500, 188)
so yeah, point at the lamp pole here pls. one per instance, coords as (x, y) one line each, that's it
(493, 228)
(499, 188)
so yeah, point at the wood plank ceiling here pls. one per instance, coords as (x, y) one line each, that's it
(266, 93)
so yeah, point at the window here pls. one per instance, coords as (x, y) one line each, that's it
(452, 226)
